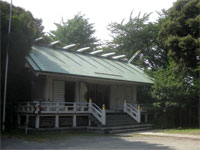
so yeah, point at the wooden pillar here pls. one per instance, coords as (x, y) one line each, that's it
(27, 121)
(155, 115)
(146, 117)
(89, 122)
(104, 114)
(139, 113)
(37, 121)
(90, 105)
(48, 88)
(57, 121)
(77, 91)
(18, 120)
(125, 105)
(74, 120)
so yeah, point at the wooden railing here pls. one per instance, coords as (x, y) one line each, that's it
(53, 107)
(133, 110)
(98, 113)
(62, 108)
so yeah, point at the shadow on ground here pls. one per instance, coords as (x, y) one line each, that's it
(85, 142)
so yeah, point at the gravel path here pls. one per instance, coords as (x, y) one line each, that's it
(106, 142)
(157, 133)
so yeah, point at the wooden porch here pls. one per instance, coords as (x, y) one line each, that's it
(39, 114)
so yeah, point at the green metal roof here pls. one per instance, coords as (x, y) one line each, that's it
(46, 59)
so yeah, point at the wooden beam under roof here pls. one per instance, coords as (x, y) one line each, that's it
(108, 54)
(38, 39)
(124, 59)
(54, 43)
(83, 49)
(119, 56)
(69, 46)
(96, 52)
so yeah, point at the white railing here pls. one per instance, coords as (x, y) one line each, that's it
(98, 113)
(63, 108)
(133, 111)
(53, 107)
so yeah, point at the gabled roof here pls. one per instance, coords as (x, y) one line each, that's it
(54, 60)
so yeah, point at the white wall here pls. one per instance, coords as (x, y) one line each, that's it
(58, 90)
(120, 92)
(83, 91)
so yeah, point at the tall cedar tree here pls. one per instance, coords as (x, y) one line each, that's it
(24, 29)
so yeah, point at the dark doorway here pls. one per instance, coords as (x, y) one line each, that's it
(99, 94)
(70, 91)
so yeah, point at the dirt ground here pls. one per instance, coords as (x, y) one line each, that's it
(136, 142)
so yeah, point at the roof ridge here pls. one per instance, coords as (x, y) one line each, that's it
(81, 53)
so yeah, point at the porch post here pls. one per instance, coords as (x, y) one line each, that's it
(74, 120)
(139, 113)
(90, 105)
(57, 121)
(125, 105)
(27, 121)
(89, 122)
(57, 107)
(18, 120)
(146, 117)
(77, 92)
(103, 114)
(37, 121)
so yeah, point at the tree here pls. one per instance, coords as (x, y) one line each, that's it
(176, 88)
(77, 30)
(139, 34)
(180, 34)
(24, 30)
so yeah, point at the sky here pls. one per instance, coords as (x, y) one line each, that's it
(99, 12)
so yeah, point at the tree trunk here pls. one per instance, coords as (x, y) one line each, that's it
(180, 120)
(199, 113)
(189, 117)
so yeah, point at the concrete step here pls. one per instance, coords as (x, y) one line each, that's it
(120, 124)
(121, 121)
(119, 118)
(120, 129)
(129, 130)
(127, 126)
(115, 120)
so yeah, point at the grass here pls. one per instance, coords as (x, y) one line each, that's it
(46, 136)
(183, 131)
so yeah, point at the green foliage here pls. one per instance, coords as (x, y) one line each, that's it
(173, 89)
(144, 95)
(139, 34)
(180, 34)
(193, 131)
(178, 85)
(176, 88)
(77, 30)
(24, 30)
(170, 49)
(164, 121)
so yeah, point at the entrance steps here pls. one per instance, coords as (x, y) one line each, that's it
(119, 123)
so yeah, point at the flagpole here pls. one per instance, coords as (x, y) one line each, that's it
(6, 69)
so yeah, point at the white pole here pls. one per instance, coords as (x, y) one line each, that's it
(6, 69)
(131, 59)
